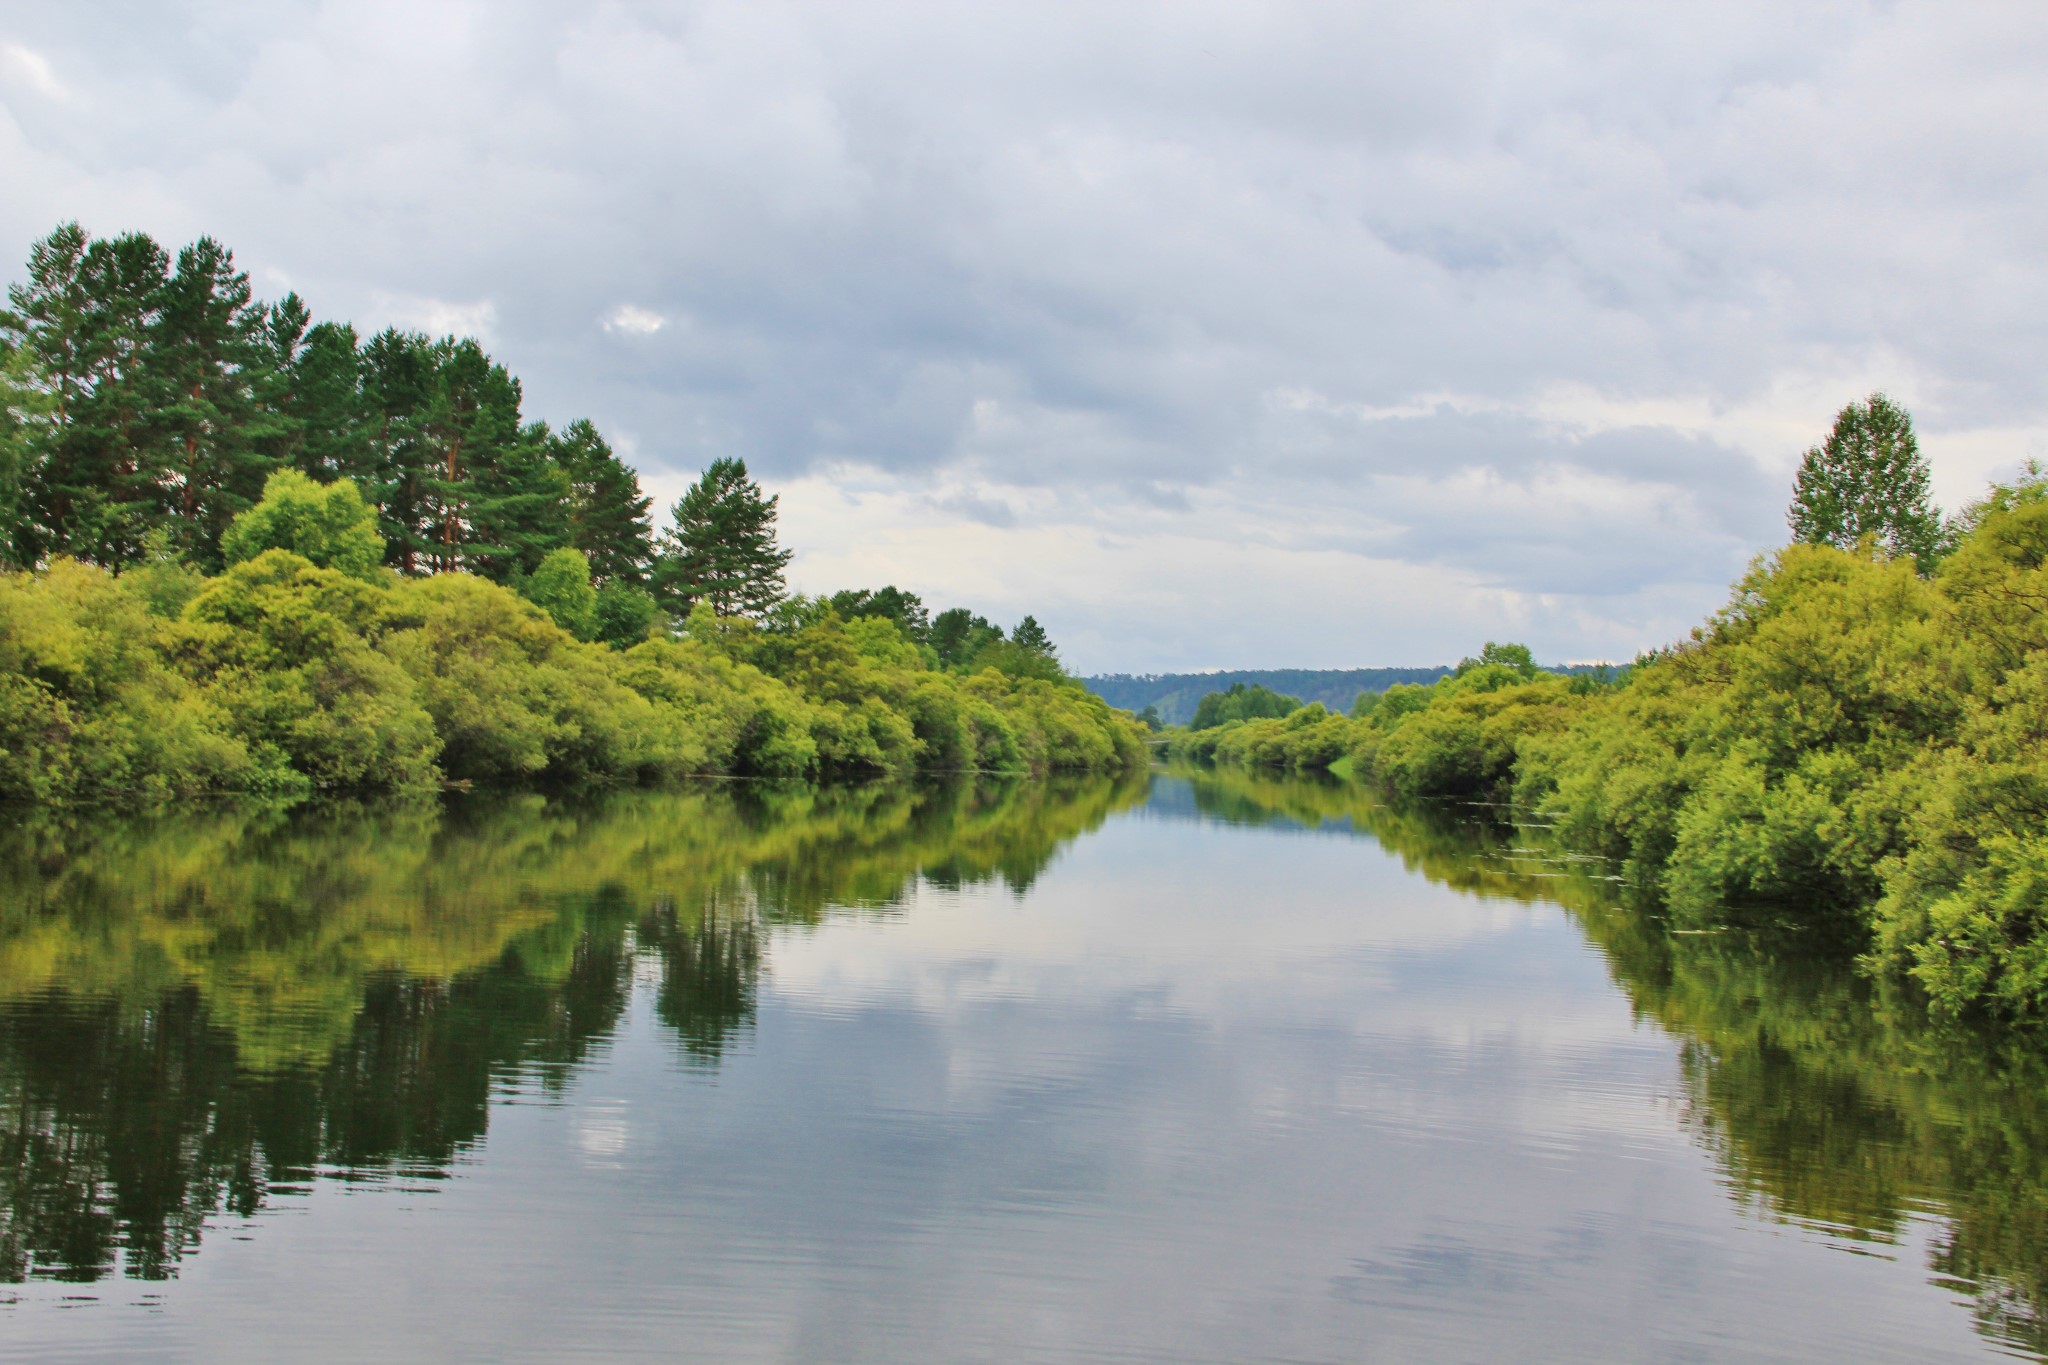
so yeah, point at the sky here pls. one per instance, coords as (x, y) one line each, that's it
(1214, 335)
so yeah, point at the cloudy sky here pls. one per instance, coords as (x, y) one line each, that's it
(1214, 334)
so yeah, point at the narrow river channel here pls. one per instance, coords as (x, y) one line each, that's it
(1178, 1067)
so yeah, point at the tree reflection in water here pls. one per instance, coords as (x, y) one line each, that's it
(200, 1013)
(1826, 1097)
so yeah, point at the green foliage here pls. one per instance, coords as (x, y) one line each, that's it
(1239, 702)
(1868, 479)
(1015, 659)
(608, 519)
(513, 696)
(958, 636)
(296, 656)
(891, 603)
(1859, 748)
(158, 421)
(561, 588)
(145, 399)
(90, 706)
(331, 526)
(625, 614)
(1515, 658)
(1030, 635)
(721, 548)
(1177, 694)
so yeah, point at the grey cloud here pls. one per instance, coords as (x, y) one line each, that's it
(1123, 227)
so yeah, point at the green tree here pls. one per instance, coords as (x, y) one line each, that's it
(86, 317)
(1241, 703)
(561, 588)
(626, 614)
(203, 360)
(328, 524)
(397, 386)
(1868, 479)
(608, 518)
(1514, 657)
(520, 508)
(23, 410)
(957, 635)
(722, 549)
(1030, 635)
(890, 603)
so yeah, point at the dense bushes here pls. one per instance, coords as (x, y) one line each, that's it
(284, 676)
(306, 666)
(1847, 741)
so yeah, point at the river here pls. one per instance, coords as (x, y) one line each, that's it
(1173, 1067)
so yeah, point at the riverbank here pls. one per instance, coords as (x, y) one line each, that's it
(1847, 741)
(283, 677)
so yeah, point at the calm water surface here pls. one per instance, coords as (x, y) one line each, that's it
(1180, 1067)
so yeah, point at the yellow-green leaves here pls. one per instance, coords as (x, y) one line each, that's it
(328, 524)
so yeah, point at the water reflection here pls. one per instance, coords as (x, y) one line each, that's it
(201, 1015)
(197, 1013)
(1827, 1098)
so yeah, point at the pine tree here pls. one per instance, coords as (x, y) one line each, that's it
(205, 360)
(23, 407)
(1868, 479)
(957, 635)
(1030, 635)
(398, 371)
(279, 429)
(492, 501)
(519, 506)
(85, 319)
(330, 407)
(721, 549)
(608, 518)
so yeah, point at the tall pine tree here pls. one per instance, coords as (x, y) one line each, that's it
(206, 359)
(84, 320)
(398, 374)
(721, 549)
(520, 506)
(608, 519)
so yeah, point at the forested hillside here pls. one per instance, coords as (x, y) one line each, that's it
(1174, 696)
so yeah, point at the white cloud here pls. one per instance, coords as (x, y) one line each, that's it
(25, 66)
(437, 317)
(633, 321)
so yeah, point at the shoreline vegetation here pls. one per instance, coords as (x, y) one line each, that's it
(1856, 744)
(245, 552)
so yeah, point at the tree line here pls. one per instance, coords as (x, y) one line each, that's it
(1854, 741)
(251, 551)
(146, 398)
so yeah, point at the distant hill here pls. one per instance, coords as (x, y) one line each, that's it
(1177, 694)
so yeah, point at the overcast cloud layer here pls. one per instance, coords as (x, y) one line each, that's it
(1216, 335)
